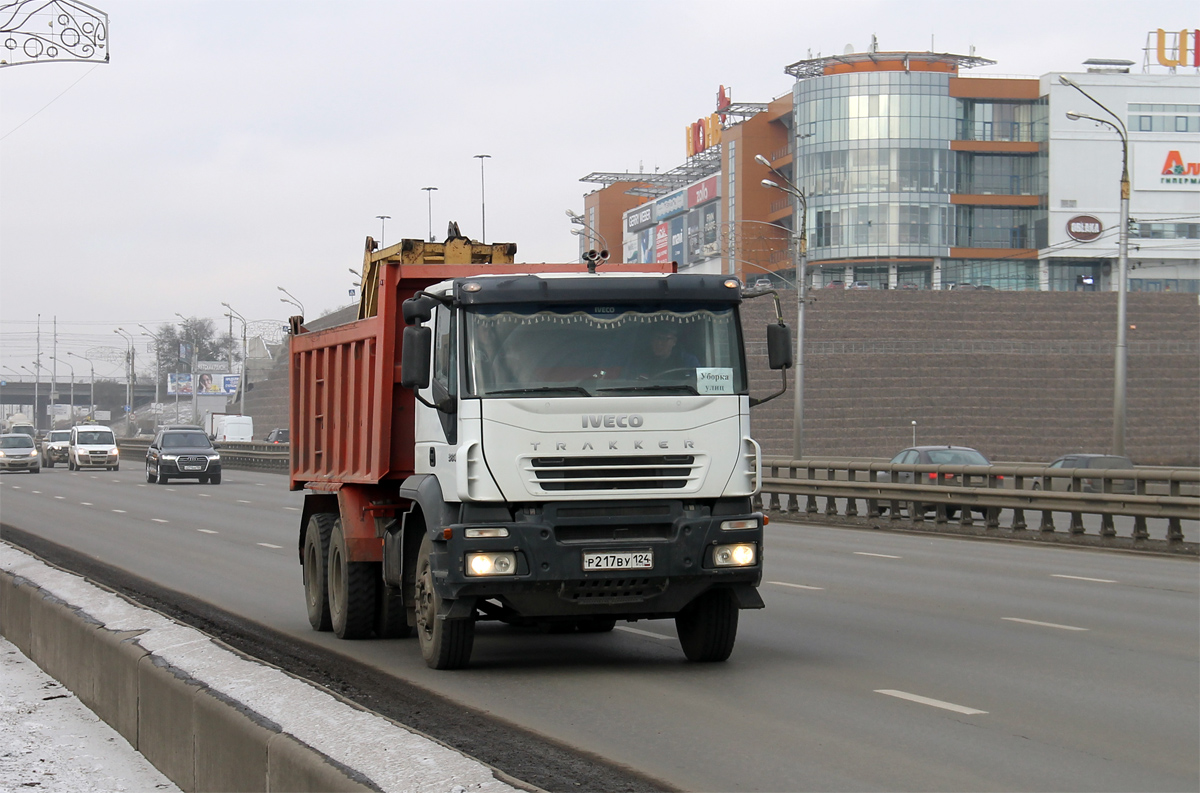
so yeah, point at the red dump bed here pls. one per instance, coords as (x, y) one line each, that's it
(351, 421)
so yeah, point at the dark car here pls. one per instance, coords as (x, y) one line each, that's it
(1090, 485)
(18, 453)
(934, 455)
(278, 435)
(182, 454)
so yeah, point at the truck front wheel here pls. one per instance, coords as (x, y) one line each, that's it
(707, 628)
(445, 643)
(316, 571)
(351, 590)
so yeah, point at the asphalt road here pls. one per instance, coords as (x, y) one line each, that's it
(882, 661)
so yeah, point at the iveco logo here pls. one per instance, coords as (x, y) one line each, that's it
(611, 420)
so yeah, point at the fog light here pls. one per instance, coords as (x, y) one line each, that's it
(492, 563)
(474, 534)
(739, 555)
(728, 525)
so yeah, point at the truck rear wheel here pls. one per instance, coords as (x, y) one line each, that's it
(445, 644)
(707, 628)
(316, 570)
(352, 588)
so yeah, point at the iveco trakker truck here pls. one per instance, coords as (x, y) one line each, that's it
(562, 446)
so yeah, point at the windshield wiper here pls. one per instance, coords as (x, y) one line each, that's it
(685, 386)
(546, 389)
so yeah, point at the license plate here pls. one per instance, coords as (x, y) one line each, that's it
(191, 467)
(618, 560)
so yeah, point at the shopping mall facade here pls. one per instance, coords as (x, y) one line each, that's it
(918, 176)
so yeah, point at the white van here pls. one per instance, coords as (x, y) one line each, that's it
(92, 446)
(225, 427)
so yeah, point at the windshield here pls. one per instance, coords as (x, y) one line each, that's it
(596, 350)
(180, 440)
(60, 435)
(957, 457)
(17, 442)
(98, 437)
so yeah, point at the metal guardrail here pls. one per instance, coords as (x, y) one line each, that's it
(251, 455)
(1171, 494)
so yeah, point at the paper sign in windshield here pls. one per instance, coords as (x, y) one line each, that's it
(714, 380)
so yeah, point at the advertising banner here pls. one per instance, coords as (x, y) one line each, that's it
(670, 206)
(646, 245)
(695, 236)
(662, 243)
(678, 249)
(703, 192)
(1168, 167)
(639, 218)
(179, 383)
(631, 249)
(708, 215)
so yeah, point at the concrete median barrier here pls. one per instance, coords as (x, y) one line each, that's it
(207, 717)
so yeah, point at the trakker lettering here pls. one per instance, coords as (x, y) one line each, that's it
(612, 420)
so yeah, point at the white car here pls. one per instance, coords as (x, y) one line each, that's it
(93, 446)
(55, 446)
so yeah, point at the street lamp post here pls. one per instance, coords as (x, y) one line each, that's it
(1120, 356)
(242, 381)
(383, 219)
(293, 300)
(36, 382)
(429, 195)
(129, 363)
(72, 368)
(191, 372)
(157, 372)
(800, 254)
(92, 397)
(482, 198)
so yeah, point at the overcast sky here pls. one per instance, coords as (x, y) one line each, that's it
(230, 148)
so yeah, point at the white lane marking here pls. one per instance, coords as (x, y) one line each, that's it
(36, 492)
(1084, 578)
(880, 555)
(120, 511)
(159, 520)
(794, 586)
(293, 509)
(269, 545)
(240, 501)
(142, 484)
(1045, 624)
(95, 477)
(205, 495)
(259, 484)
(16, 487)
(207, 531)
(935, 703)
(86, 503)
(61, 498)
(640, 632)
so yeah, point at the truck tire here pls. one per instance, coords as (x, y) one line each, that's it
(707, 628)
(352, 588)
(316, 570)
(391, 617)
(445, 644)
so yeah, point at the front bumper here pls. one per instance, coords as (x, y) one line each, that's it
(56, 455)
(197, 465)
(20, 463)
(549, 543)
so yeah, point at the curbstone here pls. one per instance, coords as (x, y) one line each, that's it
(231, 744)
(114, 698)
(293, 766)
(15, 594)
(63, 642)
(165, 720)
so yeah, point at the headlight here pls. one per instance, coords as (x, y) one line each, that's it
(729, 525)
(743, 554)
(214, 457)
(171, 457)
(492, 563)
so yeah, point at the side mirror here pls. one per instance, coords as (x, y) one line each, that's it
(779, 346)
(415, 356)
(417, 309)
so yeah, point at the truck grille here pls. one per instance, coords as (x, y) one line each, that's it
(613, 590)
(662, 472)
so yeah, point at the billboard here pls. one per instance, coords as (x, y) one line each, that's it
(639, 218)
(670, 206)
(211, 383)
(179, 383)
(645, 239)
(703, 192)
(662, 243)
(1167, 167)
(678, 249)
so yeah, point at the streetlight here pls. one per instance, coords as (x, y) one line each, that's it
(1120, 353)
(587, 230)
(429, 194)
(36, 382)
(241, 381)
(293, 300)
(801, 259)
(128, 378)
(191, 372)
(92, 398)
(72, 368)
(157, 372)
(482, 197)
(914, 443)
(383, 219)
(51, 398)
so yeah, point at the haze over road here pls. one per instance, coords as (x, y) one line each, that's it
(882, 661)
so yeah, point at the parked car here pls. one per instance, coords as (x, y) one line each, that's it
(93, 446)
(1090, 485)
(278, 435)
(55, 447)
(935, 455)
(836, 285)
(859, 285)
(182, 454)
(763, 283)
(18, 453)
